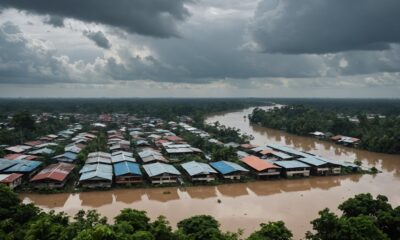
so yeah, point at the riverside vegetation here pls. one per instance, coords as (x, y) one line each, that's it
(363, 217)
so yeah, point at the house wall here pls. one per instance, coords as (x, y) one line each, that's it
(14, 184)
(203, 178)
(164, 179)
(49, 184)
(297, 172)
(96, 184)
(128, 179)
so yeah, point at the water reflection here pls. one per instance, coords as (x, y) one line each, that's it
(233, 190)
(48, 201)
(162, 194)
(128, 197)
(202, 192)
(96, 199)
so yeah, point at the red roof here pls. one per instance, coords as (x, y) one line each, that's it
(257, 163)
(173, 138)
(247, 146)
(57, 172)
(11, 178)
(14, 156)
(33, 143)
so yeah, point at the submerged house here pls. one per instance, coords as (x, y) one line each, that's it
(229, 170)
(96, 175)
(53, 176)
(262, 168)
(320, 167)
(198, 171)
(160, 173)
(294, 168)
(127, 172)
(11, 180)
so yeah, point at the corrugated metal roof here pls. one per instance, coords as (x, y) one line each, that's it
(258, 164)
(195, 168)
(122, 158)
(9, 178)
(99, 154)
(312, 161)
(23, 166)
(57, 172)
(155, 169)
(291, 164)
(281, 155)
(122, 168)
(92, 160)
(96, 171)
(225, 167)
(5, 163)
(288, 150)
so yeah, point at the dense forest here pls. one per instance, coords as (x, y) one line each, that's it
(364, 217)
(376, 133)
(167, 109)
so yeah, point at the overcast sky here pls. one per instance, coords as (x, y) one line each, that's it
(200, 48)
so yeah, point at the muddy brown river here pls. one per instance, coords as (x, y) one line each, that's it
(247, 205)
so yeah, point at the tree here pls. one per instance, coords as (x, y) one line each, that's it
(135, 218)
(23, 120)
(201, 227)
(272, 231)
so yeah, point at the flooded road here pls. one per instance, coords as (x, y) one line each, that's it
(247, 205)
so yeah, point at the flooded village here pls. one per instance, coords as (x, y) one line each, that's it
(148, 164)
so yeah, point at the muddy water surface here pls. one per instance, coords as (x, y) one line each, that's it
(247, 205)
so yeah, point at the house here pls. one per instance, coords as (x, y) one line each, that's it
(18, 149)
(262, 168)
(160, 173)
(19, 156)
(11, 180)
(199, 171)
(42, 151)
(97, 175)
(53, 176)
(320, 167)
(122, 158)
(25, 167)
(150, 155)
(127, 172)
(66, 157)
(294, 168)
(318, 134)
(98, 157)
(229, 170)
(174, 151)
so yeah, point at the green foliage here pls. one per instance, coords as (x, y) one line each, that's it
(364, 218)
(378, 134)
(272, 231)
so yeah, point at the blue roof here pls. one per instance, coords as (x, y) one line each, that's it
(96, 172)
(195, 168)
(126, 167)
(225, 167)
(288, 150)
(67, 157)
(312, 161)
(155, 169)
(23, 166)
(291, 164)
(281, 155)
(4, 164)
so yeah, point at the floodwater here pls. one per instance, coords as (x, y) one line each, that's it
(246, 205)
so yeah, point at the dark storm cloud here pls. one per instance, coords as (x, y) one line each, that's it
(156, 18)
(54, 20)
(99, 38)
(25, 61)
(325, 26)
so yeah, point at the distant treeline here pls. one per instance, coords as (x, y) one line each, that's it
(376, 134)
(347, 106)
(363, 218)
(157, 107)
